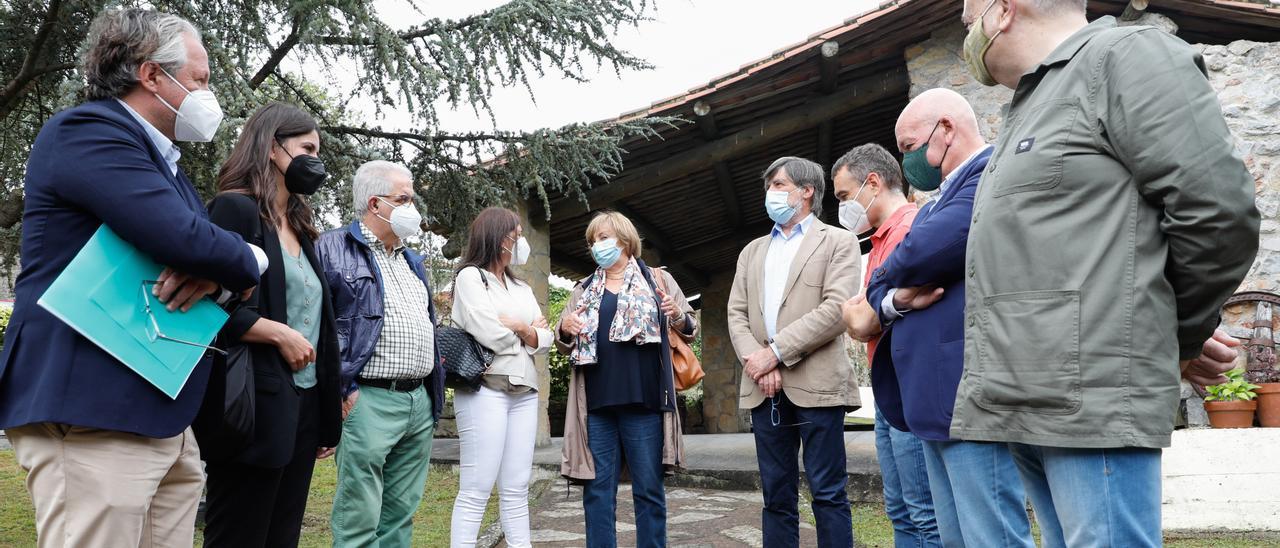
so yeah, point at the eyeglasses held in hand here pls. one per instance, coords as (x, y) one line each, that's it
(153, 329)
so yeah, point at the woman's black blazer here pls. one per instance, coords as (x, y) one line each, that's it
(278, 398)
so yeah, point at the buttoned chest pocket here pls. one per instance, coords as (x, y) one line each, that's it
(1030, 158)
(359, 291)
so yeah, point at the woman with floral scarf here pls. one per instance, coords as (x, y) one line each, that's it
(622, 396)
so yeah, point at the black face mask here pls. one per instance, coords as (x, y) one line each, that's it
(305, 174)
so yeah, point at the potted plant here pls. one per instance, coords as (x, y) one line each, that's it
(1231, 404)
(1269, 404)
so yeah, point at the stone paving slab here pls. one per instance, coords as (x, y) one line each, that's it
(719, 461)
(703, 452)
(701, 518)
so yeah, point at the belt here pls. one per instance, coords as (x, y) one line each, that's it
(395, 385)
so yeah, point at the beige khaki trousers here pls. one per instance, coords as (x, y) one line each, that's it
(101, 488)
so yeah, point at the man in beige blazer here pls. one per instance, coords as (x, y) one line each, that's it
(786, 326)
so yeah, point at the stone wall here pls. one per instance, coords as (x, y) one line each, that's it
(1247, 78)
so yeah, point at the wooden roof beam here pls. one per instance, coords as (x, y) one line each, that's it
(740, 238)
(728, 193)
(855, 95)
(706, 120)
(829, 66)
(577, 266)
(825, 131)
(658, 240)
(1134, 10)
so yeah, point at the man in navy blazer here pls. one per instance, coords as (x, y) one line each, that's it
(917, 300)
(111, 459)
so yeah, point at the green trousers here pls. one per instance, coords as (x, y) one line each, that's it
(382, 467)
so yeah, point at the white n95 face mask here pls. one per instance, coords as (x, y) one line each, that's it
(853, 217)
(405, 220)
(520, 253)
(199, 115)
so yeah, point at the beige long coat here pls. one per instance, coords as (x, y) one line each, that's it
(576, 462)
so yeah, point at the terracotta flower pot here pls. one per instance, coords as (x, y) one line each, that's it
(1269, 404)
(1231, 414)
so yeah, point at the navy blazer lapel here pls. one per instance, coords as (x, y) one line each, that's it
(156, 156)
(958, 180)
(188, 191)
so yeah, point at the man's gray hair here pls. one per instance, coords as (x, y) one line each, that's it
(804, 173)
(870, 158)
(121, 40)
(374, 179)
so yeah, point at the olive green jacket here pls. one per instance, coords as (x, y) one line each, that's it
(1113, 220)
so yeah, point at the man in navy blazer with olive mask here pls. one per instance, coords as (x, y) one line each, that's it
(111, 459)
(918, 301)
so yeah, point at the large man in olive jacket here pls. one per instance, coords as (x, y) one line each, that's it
(1112, 222)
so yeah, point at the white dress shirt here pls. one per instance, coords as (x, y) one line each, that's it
(777, 267)
(167, 148)
(887, 310)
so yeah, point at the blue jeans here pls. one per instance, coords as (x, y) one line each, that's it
(1093, 497)
(636, 436)
(780, 428)
(977, 494)
(907, 499)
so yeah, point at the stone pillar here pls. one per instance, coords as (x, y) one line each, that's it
(538, 272)
(720, 386)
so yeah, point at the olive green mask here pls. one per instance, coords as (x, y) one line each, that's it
(976, 45)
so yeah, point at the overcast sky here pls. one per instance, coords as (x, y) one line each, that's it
(689, 42)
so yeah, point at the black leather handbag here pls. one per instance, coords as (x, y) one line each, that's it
(463, 359)
(224, 426)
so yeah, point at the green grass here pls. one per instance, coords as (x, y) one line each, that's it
(17, 517)
(430, 525)
(871, 528)
(859, 420)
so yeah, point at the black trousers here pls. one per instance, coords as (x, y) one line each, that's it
(250, 506)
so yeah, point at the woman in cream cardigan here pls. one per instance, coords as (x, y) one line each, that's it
(497, 424)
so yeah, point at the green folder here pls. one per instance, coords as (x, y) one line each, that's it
(104, 295)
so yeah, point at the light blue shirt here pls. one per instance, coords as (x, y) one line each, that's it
(168, 150)
(777, 267)
(887, 311)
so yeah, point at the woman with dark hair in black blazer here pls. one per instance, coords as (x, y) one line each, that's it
(257, 495)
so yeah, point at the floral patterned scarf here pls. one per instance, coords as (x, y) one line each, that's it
(637, 318)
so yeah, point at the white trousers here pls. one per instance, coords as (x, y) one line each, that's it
(496, 434)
